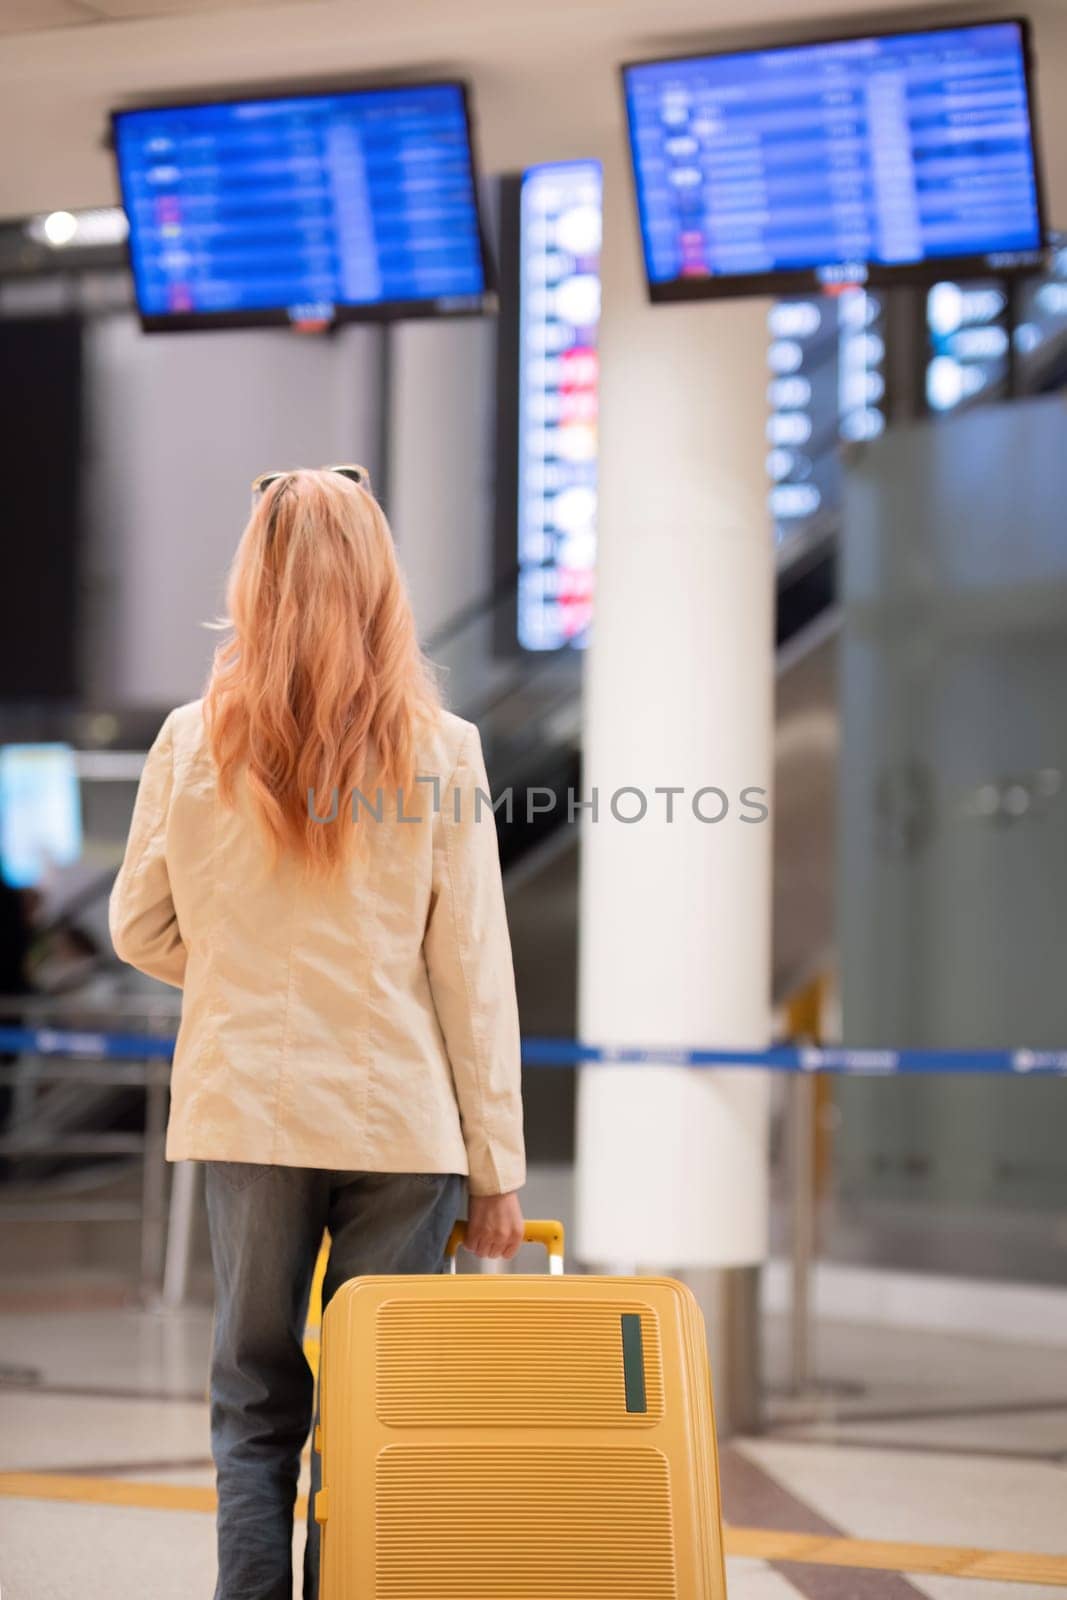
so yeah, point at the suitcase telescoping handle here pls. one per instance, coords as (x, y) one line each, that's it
(550, 1234)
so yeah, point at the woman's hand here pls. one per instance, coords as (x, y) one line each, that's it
(494, 1226)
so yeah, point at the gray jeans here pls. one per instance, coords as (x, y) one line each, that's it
(266, 1228)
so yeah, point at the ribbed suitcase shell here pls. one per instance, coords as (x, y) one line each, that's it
(483, 1439)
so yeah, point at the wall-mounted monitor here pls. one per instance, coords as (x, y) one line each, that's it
(876, 159)
(307, 208)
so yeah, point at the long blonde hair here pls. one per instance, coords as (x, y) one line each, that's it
(320, 684)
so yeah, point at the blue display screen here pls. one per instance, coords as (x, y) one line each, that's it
(309, 208)
(40, 812)
(842, 160)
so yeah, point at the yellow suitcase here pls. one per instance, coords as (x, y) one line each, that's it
(517, 1437)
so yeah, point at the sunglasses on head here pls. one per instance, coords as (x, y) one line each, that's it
(350, 470)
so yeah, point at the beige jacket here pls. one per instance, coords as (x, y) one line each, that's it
(369, 1025)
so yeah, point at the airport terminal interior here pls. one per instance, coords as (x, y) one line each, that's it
(710, 365)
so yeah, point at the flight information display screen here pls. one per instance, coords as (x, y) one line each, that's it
(311, 208)
(860, 160)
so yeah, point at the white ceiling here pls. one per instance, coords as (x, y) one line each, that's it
(543, 71)
(35, 16)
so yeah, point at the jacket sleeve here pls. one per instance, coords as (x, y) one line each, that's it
(141, 914)
(468, 956)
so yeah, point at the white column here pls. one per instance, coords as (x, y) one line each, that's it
(675, 917)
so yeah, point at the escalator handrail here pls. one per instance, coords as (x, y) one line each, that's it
(473, 611)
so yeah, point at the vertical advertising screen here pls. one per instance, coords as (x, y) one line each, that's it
(559, 315)
(996, 339)
(826, 356)
(969, 340)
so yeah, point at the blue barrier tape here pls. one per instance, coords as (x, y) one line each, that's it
(568, 1053)
(91, 1046)
(802, 1058)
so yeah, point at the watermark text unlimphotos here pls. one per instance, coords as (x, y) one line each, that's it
(630, 803)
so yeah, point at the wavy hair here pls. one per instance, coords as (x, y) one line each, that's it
(320, 685)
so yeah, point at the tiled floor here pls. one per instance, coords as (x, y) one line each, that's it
(939, 1441)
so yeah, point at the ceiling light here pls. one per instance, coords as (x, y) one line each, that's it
(99, 226)
(60, 227)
